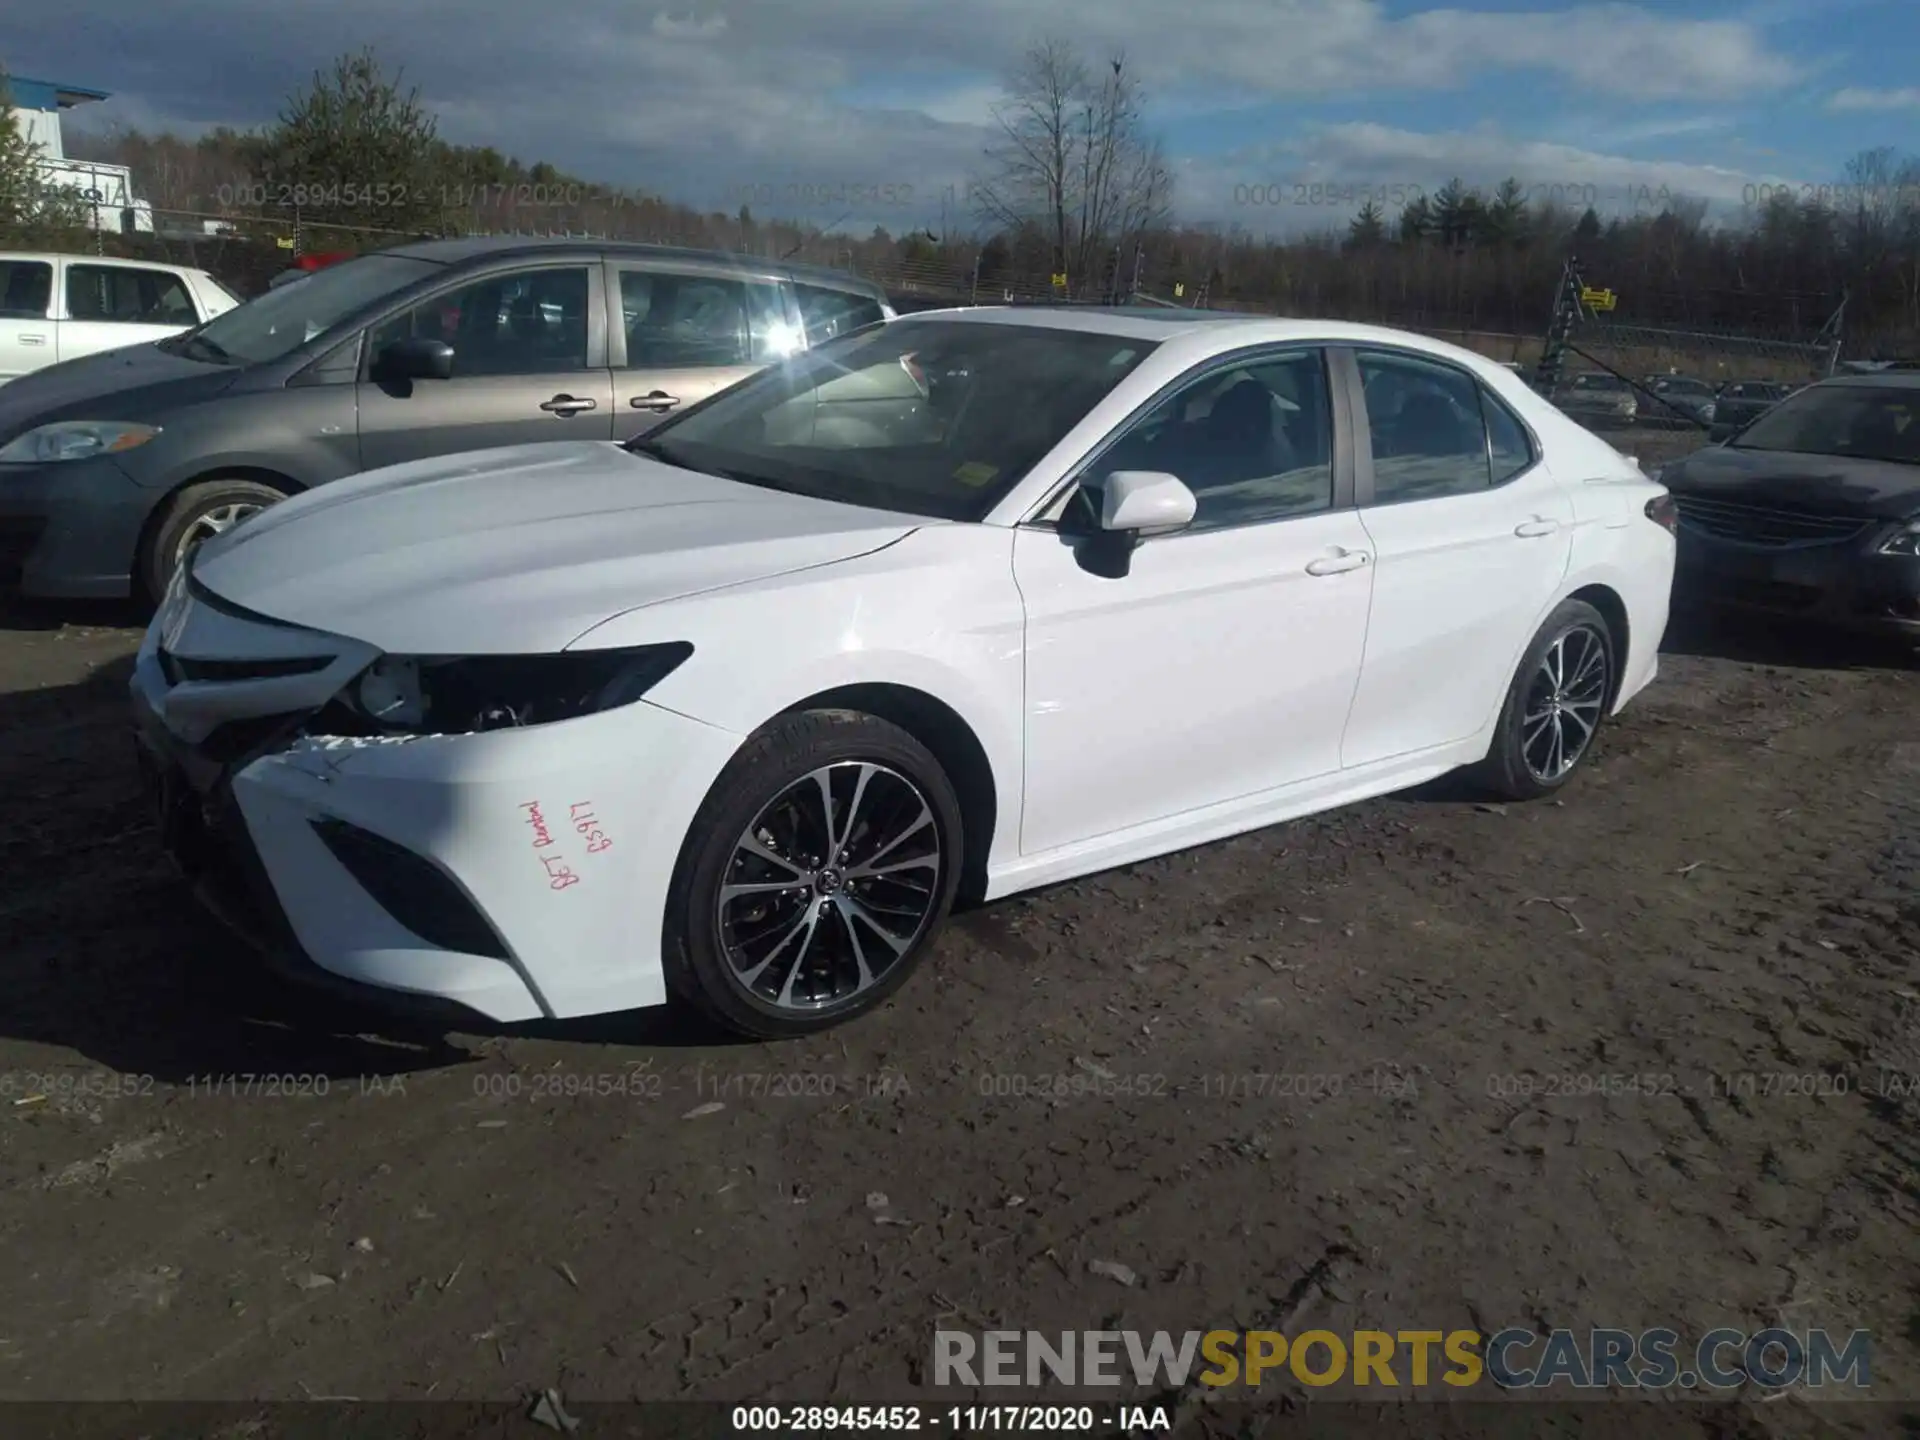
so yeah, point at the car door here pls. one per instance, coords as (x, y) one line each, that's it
(529, 364)
(678, 333)
(26, 316)
(110, 304)
(1224, 662)
(1472, 536)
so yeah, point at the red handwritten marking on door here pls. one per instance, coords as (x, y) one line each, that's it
(559, 874)
(588, 824)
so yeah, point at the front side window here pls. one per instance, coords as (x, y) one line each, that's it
(525, 323)
(1425, 423)
(122, 294)
(26, 289)
(927, 417)
(1253, 442)
(1864, 422)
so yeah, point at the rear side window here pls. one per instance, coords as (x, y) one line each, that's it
(124, 295)
(834, 312)
(1509, 445)
(26, 289)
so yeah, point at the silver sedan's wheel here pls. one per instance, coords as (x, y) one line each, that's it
(830, 886)
(1564, 702)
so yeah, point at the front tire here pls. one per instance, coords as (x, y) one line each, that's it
(1554, 707)
(814, 876)
(198, 513)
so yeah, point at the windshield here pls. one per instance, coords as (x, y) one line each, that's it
(279, 322)
(934, 417)
(1857, 421)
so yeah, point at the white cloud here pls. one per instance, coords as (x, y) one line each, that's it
(1858, 99)
(708, 27)
(1320, 180)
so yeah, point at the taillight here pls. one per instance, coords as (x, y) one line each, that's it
(1663, 512)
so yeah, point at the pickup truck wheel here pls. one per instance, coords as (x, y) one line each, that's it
(196, 514)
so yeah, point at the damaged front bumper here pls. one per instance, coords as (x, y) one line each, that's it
(514, 874)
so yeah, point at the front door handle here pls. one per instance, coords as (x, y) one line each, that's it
(659, 402)
(568, 405)
(1536, 527)
(33, 339)
(1339, 564)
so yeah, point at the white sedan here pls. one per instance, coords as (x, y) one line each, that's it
(965, 604)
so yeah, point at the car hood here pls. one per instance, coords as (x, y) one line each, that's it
(1828, 484)
(136, 383)
(519, 550)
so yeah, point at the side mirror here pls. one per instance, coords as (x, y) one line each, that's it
(414, 359)
(1133, 505)
(1146, 502)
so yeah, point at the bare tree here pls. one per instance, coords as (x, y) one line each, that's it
(1074, 159)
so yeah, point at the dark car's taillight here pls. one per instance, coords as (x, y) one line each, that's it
(1663, 512)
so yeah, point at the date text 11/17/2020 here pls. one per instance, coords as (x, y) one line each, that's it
(957, 1419)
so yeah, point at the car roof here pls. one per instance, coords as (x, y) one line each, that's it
(507, 247)
(51, 255)
(1874, 380)
(1227, 329)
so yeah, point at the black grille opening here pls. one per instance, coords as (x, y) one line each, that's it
(181, 668)
(413, 890)
(239, 740)
(1763, 526)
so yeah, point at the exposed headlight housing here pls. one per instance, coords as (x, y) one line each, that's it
(440, 695)
(75, 440)
(1905, 541)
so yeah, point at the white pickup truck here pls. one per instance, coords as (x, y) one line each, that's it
(59, 307)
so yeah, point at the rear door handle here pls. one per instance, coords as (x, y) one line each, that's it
(567, 405)
(1536, 527)
(33, 339)
(1339, 564)
(659, 402)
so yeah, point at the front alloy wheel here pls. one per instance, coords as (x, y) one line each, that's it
(814, 876)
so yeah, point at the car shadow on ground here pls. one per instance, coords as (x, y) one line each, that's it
(1782, 642)
(109, 955)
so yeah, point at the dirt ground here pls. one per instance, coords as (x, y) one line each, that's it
(632, 1208)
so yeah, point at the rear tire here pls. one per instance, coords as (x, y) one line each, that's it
(197, 513)
(1555, 705)
(774, 927)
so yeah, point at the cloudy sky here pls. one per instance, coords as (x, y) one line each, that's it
(1258, 101)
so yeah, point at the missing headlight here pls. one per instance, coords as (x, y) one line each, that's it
(459, 695)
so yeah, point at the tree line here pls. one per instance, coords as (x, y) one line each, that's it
(1072, 196)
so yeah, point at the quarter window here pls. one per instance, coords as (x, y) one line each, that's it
(1508, 444)
(1253, 442)
(122, 294)
(1427, 430)
(531, 323)
(828, 313)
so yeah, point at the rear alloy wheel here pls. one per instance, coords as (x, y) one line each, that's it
(196, 515)
(815, 875)
(1555, 706)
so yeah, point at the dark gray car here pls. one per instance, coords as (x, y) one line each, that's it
(113, 467)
